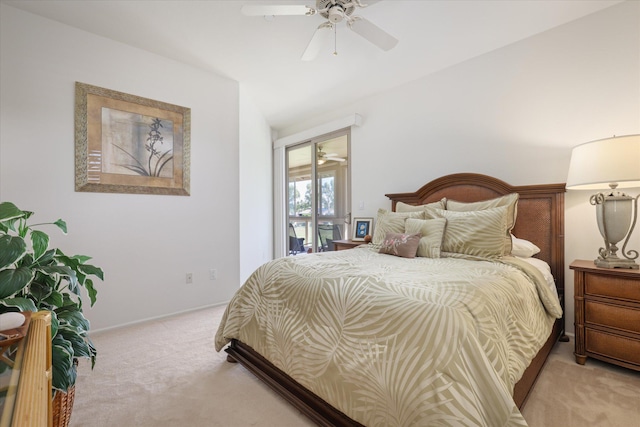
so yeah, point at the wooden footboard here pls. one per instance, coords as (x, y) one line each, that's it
(305, 401)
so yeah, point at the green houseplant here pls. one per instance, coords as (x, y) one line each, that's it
(35, 277)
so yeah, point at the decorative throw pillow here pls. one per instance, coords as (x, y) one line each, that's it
(523, 248)
(509, 200)
(400, 244)
(432, 231)
(391, 222)
(475, 233)
(404, 207)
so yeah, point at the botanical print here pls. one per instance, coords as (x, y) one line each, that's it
(128, 144)
(135, 144)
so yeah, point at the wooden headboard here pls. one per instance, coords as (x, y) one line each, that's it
(540, 210)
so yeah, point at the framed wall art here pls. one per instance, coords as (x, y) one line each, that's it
(128, 144)
(362, 227)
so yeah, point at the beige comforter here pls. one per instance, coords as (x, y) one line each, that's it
(398, 342)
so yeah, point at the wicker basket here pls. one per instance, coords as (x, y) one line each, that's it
(62, 405)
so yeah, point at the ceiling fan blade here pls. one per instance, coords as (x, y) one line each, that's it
(319, 39)
(268, 10)
(332, 156)
(364, 3)
(373, 33)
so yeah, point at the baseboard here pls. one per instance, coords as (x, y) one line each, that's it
(163, 316)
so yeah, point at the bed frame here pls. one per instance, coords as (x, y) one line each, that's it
(540, 220)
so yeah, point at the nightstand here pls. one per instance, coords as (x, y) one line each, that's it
(607, 314)
(341, 245)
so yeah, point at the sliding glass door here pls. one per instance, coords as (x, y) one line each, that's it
(318, 193)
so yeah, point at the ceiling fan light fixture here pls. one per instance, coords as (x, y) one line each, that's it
(336, 14)
(334, 11)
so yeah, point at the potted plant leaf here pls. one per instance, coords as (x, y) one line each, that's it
(35, 277)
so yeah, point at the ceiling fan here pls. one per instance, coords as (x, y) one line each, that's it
(335, 11)
(323, 157)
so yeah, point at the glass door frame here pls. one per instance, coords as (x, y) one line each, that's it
(314, 143)
(313, 208)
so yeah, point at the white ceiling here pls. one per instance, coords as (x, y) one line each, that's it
(264, 56)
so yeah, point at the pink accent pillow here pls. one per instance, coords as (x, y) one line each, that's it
(399, 244)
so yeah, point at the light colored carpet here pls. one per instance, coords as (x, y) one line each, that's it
(596, 394)
(167, 373)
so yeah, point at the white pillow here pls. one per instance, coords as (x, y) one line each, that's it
(523, 248)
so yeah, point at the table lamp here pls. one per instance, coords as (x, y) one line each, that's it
(610, 163)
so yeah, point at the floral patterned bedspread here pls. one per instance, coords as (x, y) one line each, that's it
(392, 341)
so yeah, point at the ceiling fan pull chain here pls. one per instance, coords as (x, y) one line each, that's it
(335, 41)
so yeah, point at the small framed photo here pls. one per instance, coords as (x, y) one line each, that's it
(361, 228)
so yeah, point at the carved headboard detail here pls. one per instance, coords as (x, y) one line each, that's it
(540, 210)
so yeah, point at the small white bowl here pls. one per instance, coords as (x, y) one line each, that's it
(11, 320)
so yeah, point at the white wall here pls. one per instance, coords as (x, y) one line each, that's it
(256, 195)
(144, 243)
(514, 113)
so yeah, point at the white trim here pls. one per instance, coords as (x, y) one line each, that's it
(280, 228)
(345, 122)
(160, 317)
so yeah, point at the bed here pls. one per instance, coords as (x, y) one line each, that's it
(336, 367)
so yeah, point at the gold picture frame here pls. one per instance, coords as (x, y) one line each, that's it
(128, 144)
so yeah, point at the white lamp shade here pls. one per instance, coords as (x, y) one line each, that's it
(594, 165)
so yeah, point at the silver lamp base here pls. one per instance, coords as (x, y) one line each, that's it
(616, 263)
(616, 220)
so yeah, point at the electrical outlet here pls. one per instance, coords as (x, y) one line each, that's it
(189, 278)
(213, 274)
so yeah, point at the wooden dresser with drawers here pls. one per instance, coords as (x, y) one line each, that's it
(607, 314)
